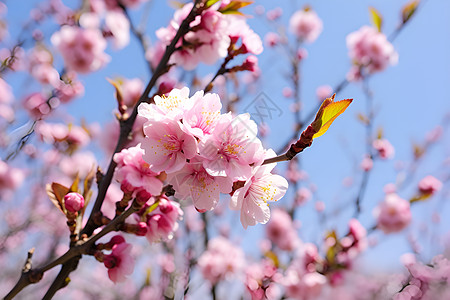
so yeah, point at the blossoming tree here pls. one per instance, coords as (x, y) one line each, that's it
(183, 164)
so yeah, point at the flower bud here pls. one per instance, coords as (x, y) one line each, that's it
(73, 202)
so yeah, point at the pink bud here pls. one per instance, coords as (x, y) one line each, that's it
(429, 185)
(302, 53)
(126, 187)
(73, 202)
(141, 229)
(117, 239)
(250, 63)
(109, 261)
(142, 197)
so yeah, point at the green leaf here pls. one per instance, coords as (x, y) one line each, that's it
(409, 9)
(210, 3)
(376, 18)
(234, 6)
(328, 112)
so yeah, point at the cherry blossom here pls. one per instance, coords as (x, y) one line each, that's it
(119, 263)
(134, 171)
(370, 49)
(162, 223)
(167, 145)
(222, 260)
(232, 147)
(253, 198)
(305, 25)
(193, 182)
(82, 49)
(393, 214)
(73, 202)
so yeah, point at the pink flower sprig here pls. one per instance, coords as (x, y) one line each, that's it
(119, 263)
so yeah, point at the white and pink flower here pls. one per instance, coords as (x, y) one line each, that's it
(167, 145)
(119, 263)
(232, 147)
(370, 49)
(393, 214)
(305, 25)
(258, 191)
(193, 182)
(134, 172)
(82, 49)
(162, 222)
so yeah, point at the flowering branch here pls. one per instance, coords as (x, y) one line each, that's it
(125, 128)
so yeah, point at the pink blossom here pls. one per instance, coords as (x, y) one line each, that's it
(287, 92)
(79, 163)
(260, 280)
(194, 183)
(272, 39)
(274, 14)
(305, 25)
(384, 148)
(10, 178)
(131, 90)
(6, 93)
(319, 206)
(207, 43)
(171, 107)
(162, 222)
(155, 53)
(367, 163)
(6, 97)
(302, 196)
(134, 171)
(36, 105)
(390, 188)
(119, 263)
(393, 214)
(69, 88)
(323, 92)
(73, 202)
(239, 29)
(119, 27)
(252, 199)
(250, 63)
(71, 136)
(167, 145)
(82, 49)
(232, 147)
(306, 286)
(370, 49)
(358, 235)
(201, 119)
(281, 231)
(222, 260)
(429, 185)
(46, 74)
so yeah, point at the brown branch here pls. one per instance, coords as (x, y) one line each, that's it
(30, 276)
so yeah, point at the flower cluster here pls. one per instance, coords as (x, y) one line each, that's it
(428, 281)
(82, 49)
(393, 214)
(221, 260)
(205, 153)
(119, 263)
(369, 49)
(212, 36)
(305, 25)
